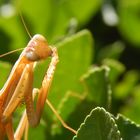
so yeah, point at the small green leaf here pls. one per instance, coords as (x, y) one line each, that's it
(98, 125)
(128, 129)
(97, 86)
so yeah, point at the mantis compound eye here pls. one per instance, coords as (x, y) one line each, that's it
(32, 56)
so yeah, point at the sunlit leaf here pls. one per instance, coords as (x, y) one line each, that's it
(98, 125)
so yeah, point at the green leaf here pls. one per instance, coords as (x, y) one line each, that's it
(75, 55)
(129, 24)
(128, 129)
(98, 125)
(97, 86)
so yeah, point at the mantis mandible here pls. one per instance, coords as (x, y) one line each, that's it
(19, 86)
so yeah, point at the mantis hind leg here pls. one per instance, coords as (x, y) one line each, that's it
(21, 127)
(59, 117)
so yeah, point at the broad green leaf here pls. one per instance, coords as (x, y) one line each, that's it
(4, 72)
(97, 86)
(128, 129)
(129, 24)
(98, 125)
(75, 54)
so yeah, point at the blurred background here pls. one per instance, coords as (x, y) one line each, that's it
(115, 42)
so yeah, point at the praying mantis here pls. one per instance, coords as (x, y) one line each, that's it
(19, 87)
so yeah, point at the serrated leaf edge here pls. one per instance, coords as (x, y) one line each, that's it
(98, 69)
(107, 113)
(93, 69)
(127, 119)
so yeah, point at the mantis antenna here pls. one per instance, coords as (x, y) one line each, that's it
(2, 55)
(18, 3)
(25, 25)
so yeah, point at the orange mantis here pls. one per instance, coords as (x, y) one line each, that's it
(19, 87)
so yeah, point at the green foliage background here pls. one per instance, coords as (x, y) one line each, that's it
(96, 86)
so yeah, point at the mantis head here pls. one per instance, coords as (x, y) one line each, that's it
(37, 48)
